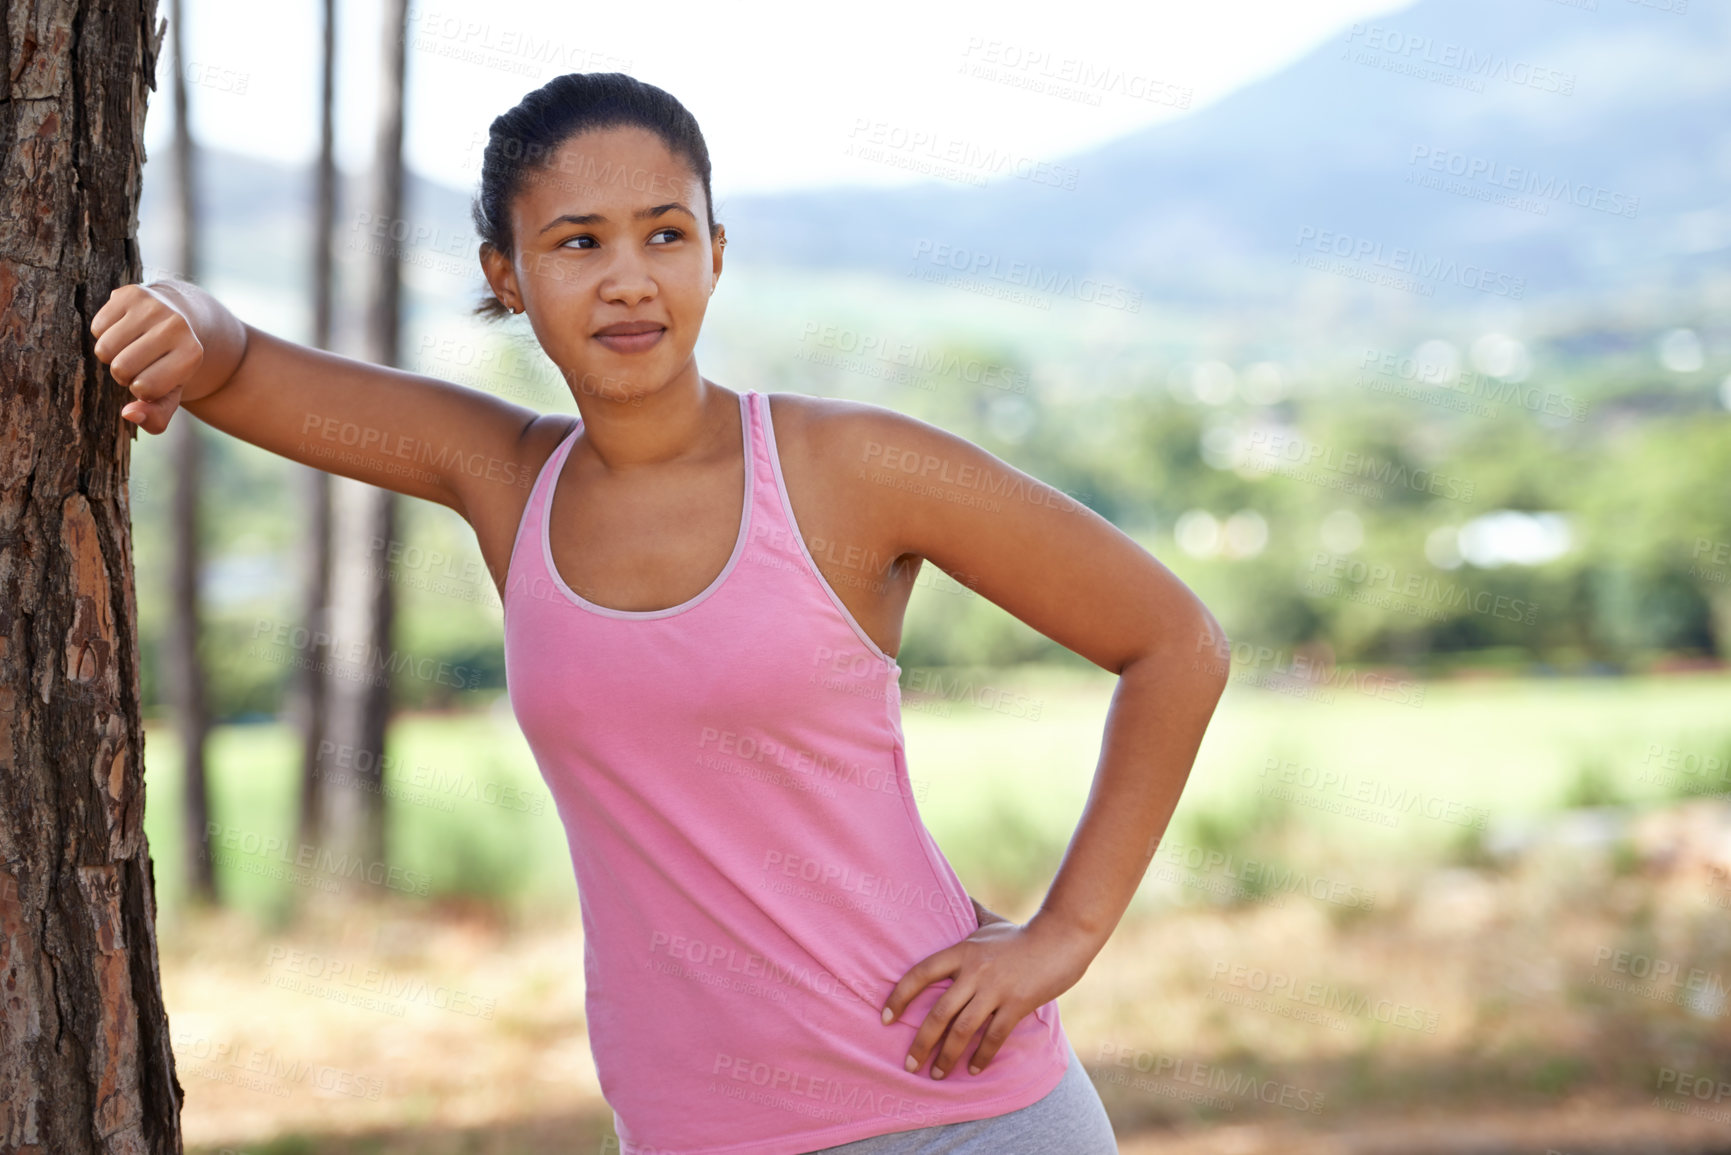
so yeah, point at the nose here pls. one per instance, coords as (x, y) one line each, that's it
(627, 280)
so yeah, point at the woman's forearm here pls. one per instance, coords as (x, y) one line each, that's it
(222, 334)
(1154, 728)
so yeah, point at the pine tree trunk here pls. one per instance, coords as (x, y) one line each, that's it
(185, 670)
(311, 691)
(85, 1062)
(365, 519)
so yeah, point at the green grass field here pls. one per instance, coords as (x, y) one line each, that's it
(1001, 792)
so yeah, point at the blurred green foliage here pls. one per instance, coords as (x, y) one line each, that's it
(469, 813)
(1643, 479)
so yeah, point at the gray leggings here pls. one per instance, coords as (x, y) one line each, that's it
(1070, 1120)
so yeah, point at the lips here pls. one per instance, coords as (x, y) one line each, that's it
(629, 328)
(631, 336)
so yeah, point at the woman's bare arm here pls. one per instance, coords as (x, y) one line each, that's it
(174, 345)
(1076, 578)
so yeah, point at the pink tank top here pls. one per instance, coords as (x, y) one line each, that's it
(752, 872)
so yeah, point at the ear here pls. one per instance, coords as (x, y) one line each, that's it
(501, 277)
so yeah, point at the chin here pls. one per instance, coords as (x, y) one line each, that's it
(626, 388)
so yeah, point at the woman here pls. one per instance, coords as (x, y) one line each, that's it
(703, 594)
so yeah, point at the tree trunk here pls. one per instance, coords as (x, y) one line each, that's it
(85, 1062)
(185, 670)
(312, 685)
(365, 517)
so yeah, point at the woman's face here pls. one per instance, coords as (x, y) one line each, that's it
(613, 262)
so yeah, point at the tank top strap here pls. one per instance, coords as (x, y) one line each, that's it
(543, 495)
(775, 532)
(766, 515)
(772, 527)
(527, 570)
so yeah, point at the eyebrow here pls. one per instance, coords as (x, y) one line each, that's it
(598, 218)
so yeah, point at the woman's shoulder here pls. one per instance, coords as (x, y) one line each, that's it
(541, 437)
(834, 428)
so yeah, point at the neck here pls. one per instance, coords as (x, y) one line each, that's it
(680, 421)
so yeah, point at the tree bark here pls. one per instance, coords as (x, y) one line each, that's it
(85, 1061)
(365, 519)
(312, 687)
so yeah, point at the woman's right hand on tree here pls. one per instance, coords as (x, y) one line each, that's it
(145, 335)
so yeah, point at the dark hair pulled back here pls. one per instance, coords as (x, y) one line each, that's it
(522, 143)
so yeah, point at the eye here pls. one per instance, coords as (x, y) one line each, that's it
(578, 237)
(662, 232)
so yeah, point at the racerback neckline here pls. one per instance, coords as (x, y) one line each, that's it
(746, 419)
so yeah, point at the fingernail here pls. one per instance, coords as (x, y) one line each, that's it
(937, 1074)
(889, 1016)
(973, 1070)
(912, 1064)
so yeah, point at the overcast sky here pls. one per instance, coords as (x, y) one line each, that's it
(781, 89)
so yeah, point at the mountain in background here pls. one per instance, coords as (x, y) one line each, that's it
(1536, 103)
(1211, 207)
